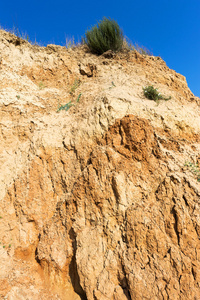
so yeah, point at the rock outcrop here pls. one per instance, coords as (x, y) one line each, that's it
(100, 201)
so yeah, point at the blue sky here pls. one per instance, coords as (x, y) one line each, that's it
(169, 28)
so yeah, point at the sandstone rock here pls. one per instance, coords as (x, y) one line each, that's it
(97, 202)
(88, 69)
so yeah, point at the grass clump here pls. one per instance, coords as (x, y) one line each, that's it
(143, 50)
(152, 93)
(21, 36)
(70, 43)
(128, 44)
(104, 36)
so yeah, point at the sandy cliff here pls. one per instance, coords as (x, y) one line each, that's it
(96, 202)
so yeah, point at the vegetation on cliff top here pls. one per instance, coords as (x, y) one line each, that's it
(107, 35)
(104, 36)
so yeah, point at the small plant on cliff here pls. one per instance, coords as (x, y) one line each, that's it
(104, 36)
(152, 93)
(112, 86)
(41, 85)
(194, 168)
(74, 86)
(67, 106)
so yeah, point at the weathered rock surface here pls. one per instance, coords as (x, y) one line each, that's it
(96, 202)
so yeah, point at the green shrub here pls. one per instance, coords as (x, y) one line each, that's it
(152, 94)
(105, 36)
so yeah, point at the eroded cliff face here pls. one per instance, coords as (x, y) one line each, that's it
(96, 202)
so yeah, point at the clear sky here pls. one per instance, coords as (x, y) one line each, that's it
(169, 28)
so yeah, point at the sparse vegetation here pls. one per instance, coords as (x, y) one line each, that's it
(143, 50)
(67, 106)
(79, 96)
(127, 44)
(74, 86)
(41, 85)
(152, 93)
(104, 36)
(70, 43)
(194, 168)
(72, 90)
(21, 36)
(113, 85)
